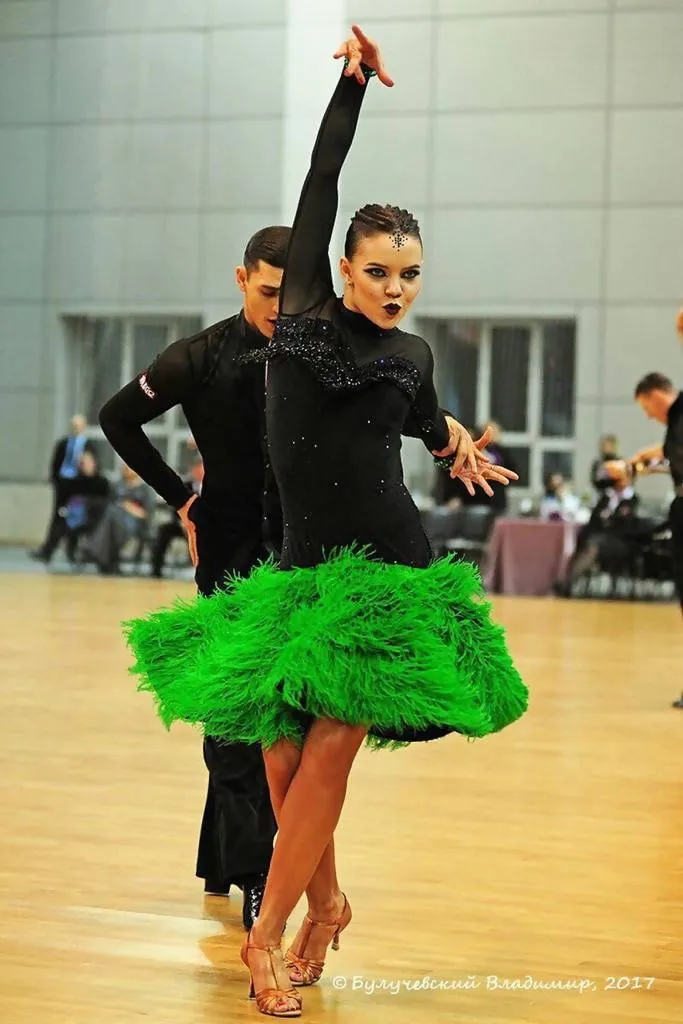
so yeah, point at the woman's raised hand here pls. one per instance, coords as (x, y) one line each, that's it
(359, 50)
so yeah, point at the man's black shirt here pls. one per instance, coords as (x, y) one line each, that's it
(673, 442)
(223, 402)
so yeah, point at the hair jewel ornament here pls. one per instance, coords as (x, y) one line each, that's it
(399, 238)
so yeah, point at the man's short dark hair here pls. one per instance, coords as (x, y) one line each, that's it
(653, 382)
(269, 245)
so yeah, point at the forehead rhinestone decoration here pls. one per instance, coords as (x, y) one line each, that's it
(399, 238)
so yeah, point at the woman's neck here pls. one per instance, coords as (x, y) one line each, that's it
(348, 300)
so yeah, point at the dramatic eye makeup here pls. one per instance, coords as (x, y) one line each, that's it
(378, 270)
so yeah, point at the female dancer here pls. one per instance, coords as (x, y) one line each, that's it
(365, 634)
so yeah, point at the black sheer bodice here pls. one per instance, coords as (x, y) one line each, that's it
(341, 391)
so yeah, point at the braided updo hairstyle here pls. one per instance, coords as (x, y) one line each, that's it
(374, 219)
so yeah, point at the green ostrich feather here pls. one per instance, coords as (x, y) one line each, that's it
(387, 646)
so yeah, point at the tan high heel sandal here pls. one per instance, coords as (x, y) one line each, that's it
(273, 1002)
(303, 971)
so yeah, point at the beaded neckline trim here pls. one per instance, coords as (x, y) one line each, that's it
(321, 345)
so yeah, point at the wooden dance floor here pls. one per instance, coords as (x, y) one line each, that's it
(535, 876)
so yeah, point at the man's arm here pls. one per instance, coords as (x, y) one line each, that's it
(656, 451)
(167, 382)
(640, 462)
(645, 461)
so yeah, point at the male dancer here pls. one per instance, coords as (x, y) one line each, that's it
(658, 397)
(223, 402)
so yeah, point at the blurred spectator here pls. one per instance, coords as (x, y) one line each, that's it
(84, 497)
(64, 467)
(608, 538)
(609, 451)
(126, 516)
(84, 509)
(558, 502)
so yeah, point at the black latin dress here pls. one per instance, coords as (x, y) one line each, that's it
(358, 621)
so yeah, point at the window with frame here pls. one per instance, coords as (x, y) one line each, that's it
(520, 374)
(103, 354)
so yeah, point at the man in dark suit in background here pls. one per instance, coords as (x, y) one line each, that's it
(64, 468)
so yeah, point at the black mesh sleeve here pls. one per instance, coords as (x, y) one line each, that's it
(169, 380)
(426, 419)
(307, 280)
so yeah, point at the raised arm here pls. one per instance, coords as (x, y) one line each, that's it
(307, 280)
(166, 383)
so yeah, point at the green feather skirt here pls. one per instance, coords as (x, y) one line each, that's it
(410, 653)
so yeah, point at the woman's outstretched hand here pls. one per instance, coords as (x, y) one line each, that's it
(358, 50)
(471, 464)
(496, 474)
(486, 471)
(468, 454)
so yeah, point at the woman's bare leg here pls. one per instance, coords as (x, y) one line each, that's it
(308, 817)
(323, 892)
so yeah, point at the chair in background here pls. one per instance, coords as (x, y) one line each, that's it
(441, 524)
(641, 571)
(135, 553)
(473, 530)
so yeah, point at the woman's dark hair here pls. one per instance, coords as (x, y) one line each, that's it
(268, 244)
(380, 220)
